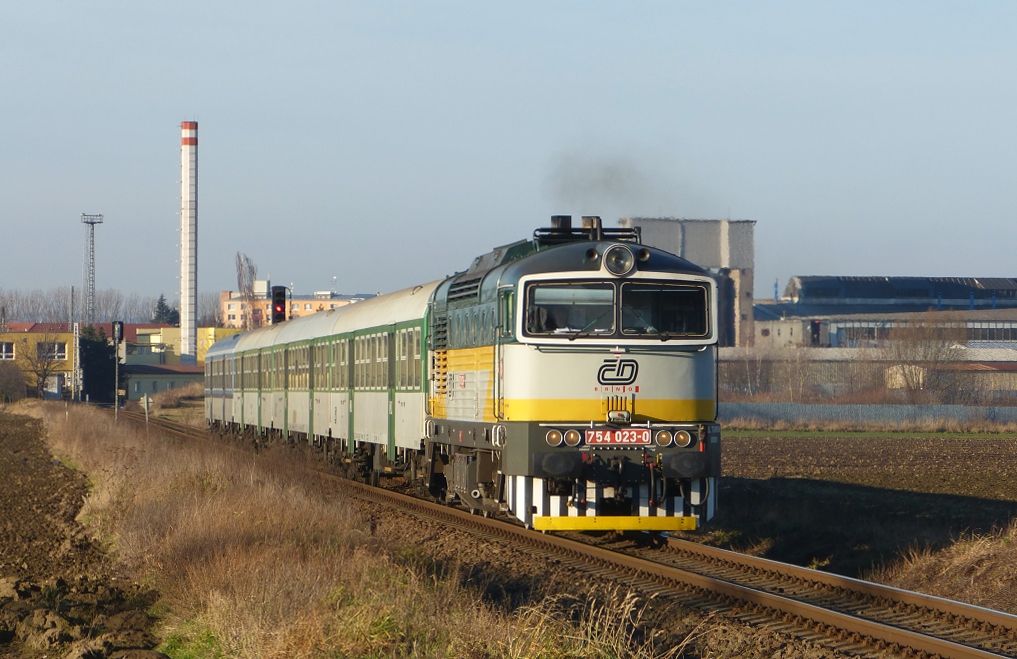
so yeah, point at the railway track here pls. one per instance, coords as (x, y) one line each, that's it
(852, 616)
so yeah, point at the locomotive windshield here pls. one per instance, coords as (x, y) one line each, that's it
(570, 309)
(630, 309)
(663, 310)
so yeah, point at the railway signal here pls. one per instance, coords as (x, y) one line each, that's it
(278, 304)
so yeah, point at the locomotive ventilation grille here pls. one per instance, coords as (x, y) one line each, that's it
(619, 404)
(465, 289)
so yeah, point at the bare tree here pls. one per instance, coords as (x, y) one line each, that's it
(749, 374)
(12, 382)
(246, 273)
(137, 308)
(109, 305)
(209, 311)
(44, 361)
(917, 353)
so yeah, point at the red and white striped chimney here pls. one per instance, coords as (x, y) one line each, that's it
(188, 241)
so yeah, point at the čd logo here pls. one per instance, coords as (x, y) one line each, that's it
(618, 371)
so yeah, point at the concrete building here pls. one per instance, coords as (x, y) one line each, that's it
(235, 310)
(725, 247)
(150, 379)
(44, 353)
(161, 345)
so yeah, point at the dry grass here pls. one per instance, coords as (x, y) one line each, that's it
(930, 425)
(173, 398)
(977, 568)
(252, 562)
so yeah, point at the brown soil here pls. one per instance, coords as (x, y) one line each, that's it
(848, 502)
(59, 595)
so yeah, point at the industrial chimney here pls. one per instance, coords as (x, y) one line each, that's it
(188, 241)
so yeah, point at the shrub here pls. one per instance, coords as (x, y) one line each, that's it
(12, 382)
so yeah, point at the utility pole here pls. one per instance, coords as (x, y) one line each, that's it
(118, 335)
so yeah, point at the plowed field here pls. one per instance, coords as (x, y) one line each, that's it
(848, 502)
(59, 595)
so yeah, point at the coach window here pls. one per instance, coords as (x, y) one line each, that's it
(356, 356)
(416, 358)
(361, 362)
(341, 364)
(368, 361)
(333, 365)
(376, 340)
(400, 358)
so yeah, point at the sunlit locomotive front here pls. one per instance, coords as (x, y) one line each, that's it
(573, 384)
(568, 381)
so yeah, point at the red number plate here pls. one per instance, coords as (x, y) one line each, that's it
(618, 437)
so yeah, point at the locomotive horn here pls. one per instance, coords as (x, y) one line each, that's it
(562, 223)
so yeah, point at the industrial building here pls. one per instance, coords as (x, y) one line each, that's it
(724, 247)
(864, 311)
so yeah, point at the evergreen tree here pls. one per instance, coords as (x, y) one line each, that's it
(97, 363)
(164, 313)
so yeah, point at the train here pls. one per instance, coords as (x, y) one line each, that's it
(567, 381)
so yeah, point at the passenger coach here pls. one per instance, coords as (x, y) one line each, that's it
(568, 380)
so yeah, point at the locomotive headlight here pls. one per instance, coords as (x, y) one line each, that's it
(553, 437)
(682, 438)
(619, 260)
(663, 438)
(572, 437)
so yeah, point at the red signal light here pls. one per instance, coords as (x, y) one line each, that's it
(278, 304)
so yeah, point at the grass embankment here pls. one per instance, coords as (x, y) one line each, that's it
(183, 404)
(981, 566)
(251, 561)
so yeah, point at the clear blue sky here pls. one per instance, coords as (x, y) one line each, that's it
(387, 143)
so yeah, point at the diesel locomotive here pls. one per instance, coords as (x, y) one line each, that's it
(568, 381)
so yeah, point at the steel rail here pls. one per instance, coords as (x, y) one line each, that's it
(868, 588)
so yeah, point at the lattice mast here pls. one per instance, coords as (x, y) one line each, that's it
(188, 241)
(90, 220)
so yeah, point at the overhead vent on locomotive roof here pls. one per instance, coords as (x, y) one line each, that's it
(561, 231)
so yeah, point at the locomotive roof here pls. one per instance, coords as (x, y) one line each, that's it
(511, 262)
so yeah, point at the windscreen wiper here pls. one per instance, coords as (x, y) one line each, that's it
(585, 331)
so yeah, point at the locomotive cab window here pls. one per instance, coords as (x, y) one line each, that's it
(567, 309)
(664, 310)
